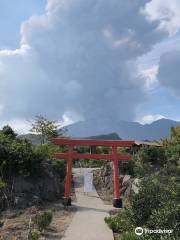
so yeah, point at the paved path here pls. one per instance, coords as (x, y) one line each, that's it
(88, 222)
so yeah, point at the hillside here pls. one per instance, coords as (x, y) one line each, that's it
(110, 136)
(33, 138)
(126, 130)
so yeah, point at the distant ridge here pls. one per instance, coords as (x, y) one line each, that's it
(33, 138)
(126, 130)
(110, 136)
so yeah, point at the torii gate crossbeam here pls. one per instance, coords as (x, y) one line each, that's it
(114, 156)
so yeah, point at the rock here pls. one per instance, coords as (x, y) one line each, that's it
(103, 181)
(29, 191)
(1, 224)
(126, 185)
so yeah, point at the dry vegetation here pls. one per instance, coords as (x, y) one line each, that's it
(16, 222)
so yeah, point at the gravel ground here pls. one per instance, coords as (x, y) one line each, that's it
(16, 222)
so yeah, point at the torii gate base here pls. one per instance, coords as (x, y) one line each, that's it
(114, 156)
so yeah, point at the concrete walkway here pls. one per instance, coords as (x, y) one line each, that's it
(88, 222)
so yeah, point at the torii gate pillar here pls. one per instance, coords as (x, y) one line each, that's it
(117, 201)
(68, 175)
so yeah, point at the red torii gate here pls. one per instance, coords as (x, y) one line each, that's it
(114, 156)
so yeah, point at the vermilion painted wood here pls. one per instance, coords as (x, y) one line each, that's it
(114, 156)
(68, 173)
(92, 142)
(93, 156)
(116, 173)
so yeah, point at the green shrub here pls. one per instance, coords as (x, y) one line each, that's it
(43, 220)
(2, 186)
(17, 157)
(119, 223)
(47, 150)
(155, 191)
(153, 155)
(140, 168)
(166, 217)
(8, 131)
(126, 167)
(112, 223)
(66, 201)
(2, 198)
(92, 163)
(155, 206)
(60, 167)
(43, 150)
(133, 236)
(35, 234)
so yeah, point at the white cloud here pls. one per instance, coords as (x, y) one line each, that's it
(23, 126)
(70, 117)
(79, 57)
(165, 11)
(66, 120)
(20, 126)
(147, 119)
(17, 52)
(150, 76)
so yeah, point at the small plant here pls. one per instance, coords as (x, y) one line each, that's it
(35, 234)
(66, 202)
(59, 166)
(43, 220)
(2, 185)
(2, 195)
(119, 223)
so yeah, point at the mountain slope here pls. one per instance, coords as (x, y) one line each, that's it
(129, 130)
(110, 136)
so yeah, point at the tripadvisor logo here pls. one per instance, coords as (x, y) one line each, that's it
(139, 231)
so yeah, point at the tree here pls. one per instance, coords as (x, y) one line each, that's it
(172, 148)
(175, 133)
(8, 131)
(46, 128)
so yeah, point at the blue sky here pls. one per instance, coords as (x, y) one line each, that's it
(13, 13)
(73, 60)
